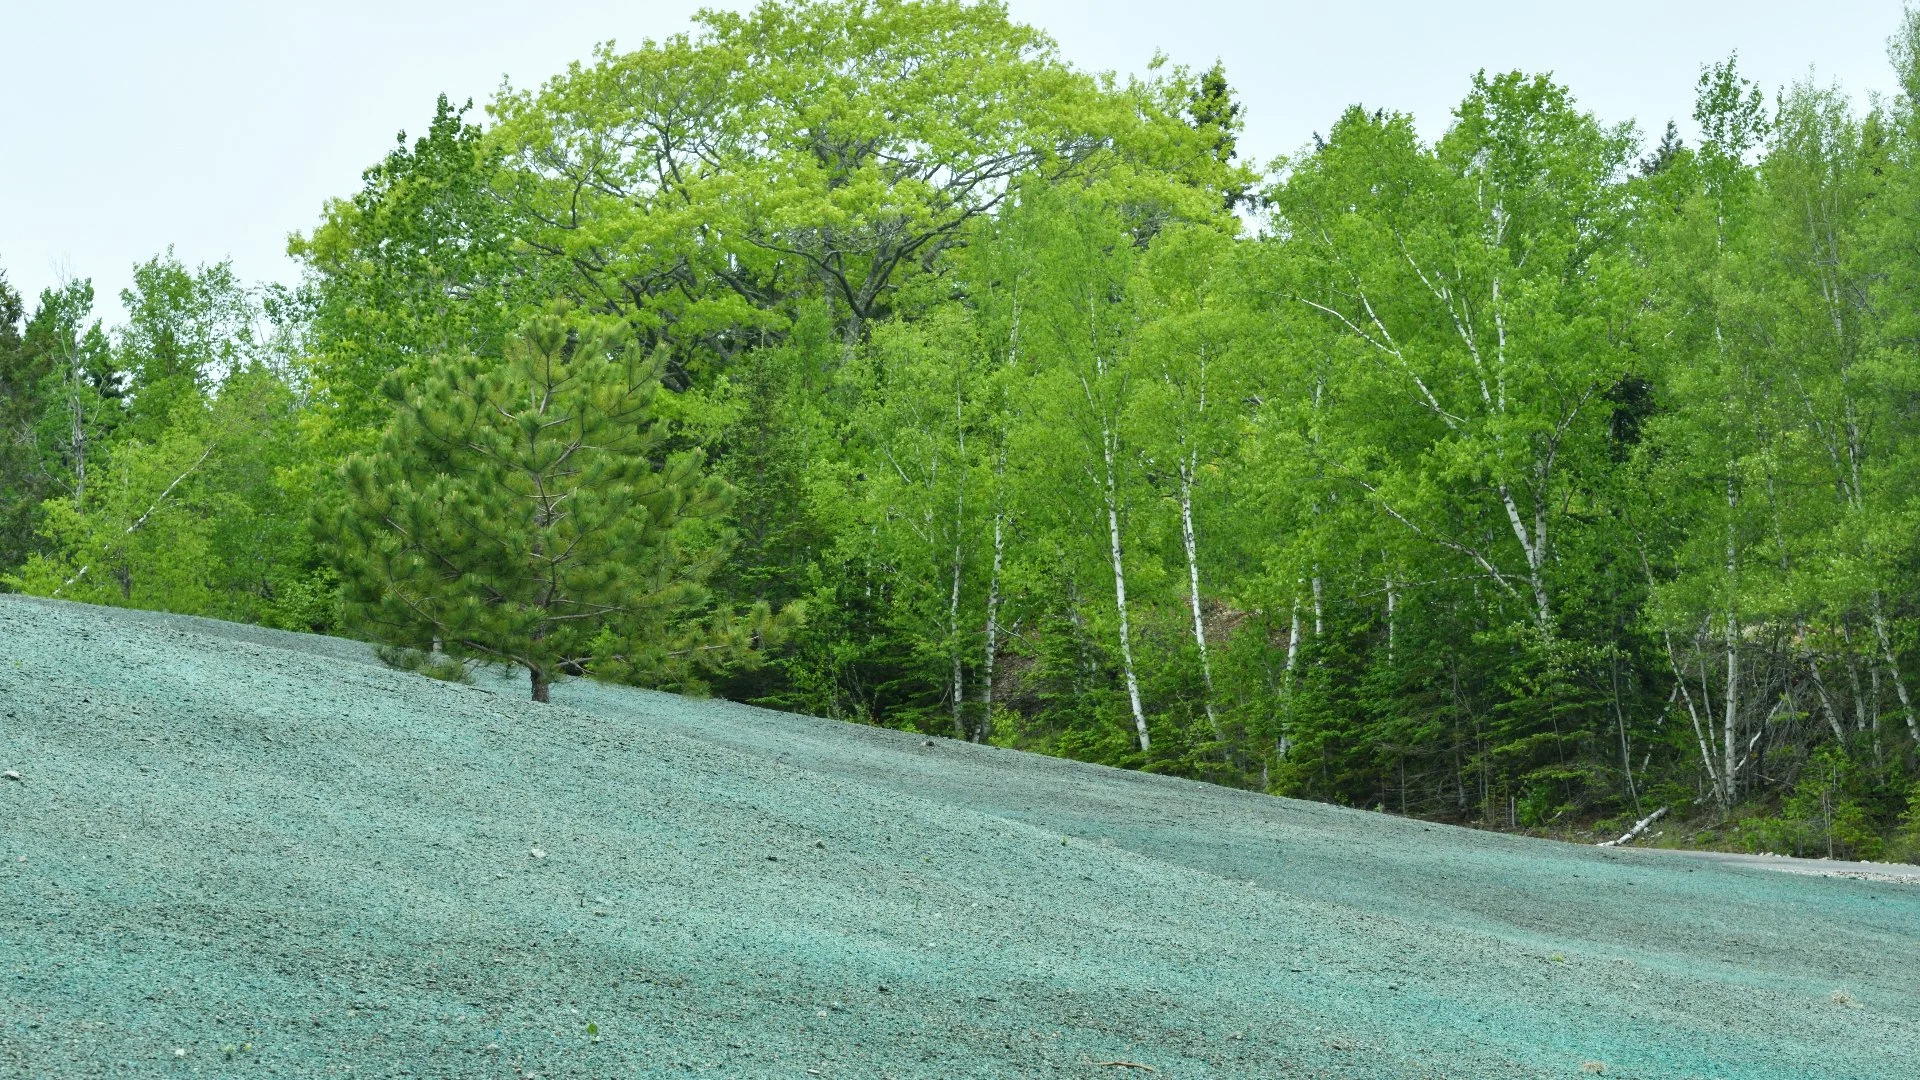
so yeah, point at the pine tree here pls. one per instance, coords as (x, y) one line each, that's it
(60, 399)
(1215, 112)
(19, 460)
(521, 511)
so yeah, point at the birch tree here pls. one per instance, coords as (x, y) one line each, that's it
(1481, 305)
(923, 488)
(1187, 404)
(1079, 327)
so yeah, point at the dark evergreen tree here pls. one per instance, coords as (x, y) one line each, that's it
(19, 456)
(60, 396)
(1664, 154)
(1216, 112)
(523, 511)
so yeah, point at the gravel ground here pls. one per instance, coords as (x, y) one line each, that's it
(1895, 873)
(235, 852)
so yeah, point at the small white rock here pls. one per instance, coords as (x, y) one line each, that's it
(179, 1051)
(12, 774)
(536, 853)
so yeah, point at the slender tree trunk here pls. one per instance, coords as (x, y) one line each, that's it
(1187, 468)
(1893, 668)
(1393, 598)
(959, 562)
(1826, 701)
(984, 732)
(542, 684)
(953, 635)
(1293, 643)
(1286, 681)
(1874, 695)
(1620, 720)
(1533, 545)
(1120, 588)
(850, 336)
(1853, 679)
(1694, 711)
(77, 437)
(1866, 706)
(1730, 764)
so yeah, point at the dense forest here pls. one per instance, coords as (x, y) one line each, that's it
(864, 358)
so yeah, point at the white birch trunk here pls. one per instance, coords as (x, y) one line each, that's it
(1187, 468)
(1699, 729)
(76, 409)
(1638, 828)
(1286, 681)
(1293, 644)
(144, 516)
(1533, 545)
(985, 731)
(1120, 588)
(1826, 700)
(1893, 668)
(953, 635)
(1393, 597)
(1730, 763)
(959, 561)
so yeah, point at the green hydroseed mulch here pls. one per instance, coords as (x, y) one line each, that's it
(226, 837)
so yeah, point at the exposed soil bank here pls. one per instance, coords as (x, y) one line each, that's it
(227, 837)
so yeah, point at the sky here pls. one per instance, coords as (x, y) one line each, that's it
(221, 127)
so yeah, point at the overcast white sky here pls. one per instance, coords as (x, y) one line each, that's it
(220, 127)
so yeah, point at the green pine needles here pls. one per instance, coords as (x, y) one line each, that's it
(524, 511)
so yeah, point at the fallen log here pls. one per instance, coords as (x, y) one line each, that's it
(1638, 828)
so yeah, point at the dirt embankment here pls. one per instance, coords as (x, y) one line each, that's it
(236, 852)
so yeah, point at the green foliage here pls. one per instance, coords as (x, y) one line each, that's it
(417, 265)
(514, 510)
(185, 332)
(208, 519)
(60, 399)
(1524, 476)
(1829, 813)
(424, 662)
(1904, 845)
(834, 151)
(172, 470)
(21, 383)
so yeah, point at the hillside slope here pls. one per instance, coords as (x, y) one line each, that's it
(229, 837)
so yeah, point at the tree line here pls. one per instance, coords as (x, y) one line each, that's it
(864, 358)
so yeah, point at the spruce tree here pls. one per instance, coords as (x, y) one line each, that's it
(519, 511)
(19, 410)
